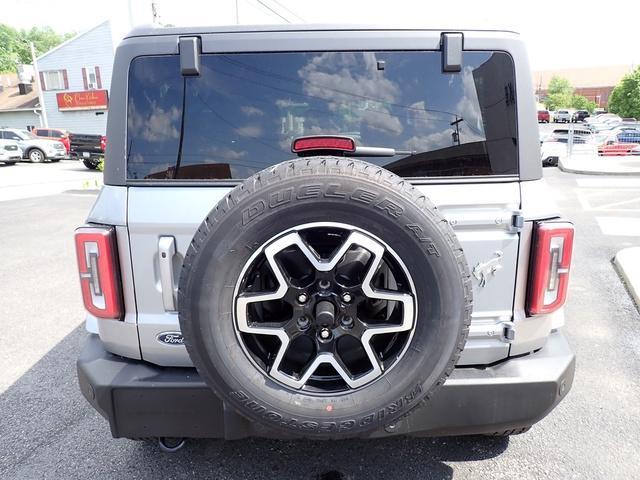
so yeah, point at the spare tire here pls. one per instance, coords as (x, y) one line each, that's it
(325, 297)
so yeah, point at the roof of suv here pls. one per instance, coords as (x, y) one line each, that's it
(150, 30)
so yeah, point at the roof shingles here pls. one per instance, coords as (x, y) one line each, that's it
(10, 98)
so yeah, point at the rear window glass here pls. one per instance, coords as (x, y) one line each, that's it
(242, 112)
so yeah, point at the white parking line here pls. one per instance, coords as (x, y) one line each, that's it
(608, 182)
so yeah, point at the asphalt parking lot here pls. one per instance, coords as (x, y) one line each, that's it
(49, 431)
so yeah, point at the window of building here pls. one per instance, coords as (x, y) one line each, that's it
(92, 79)
(54, 80)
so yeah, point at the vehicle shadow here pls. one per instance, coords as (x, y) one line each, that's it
(53, 430)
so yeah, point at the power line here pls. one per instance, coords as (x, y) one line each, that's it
(272, 10)
(290, 11)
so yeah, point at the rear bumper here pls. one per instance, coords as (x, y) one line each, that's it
(80, 155)
(143, 400)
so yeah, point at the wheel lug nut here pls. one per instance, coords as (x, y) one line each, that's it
(347, 322)
(346, 297)
(302, 298)
(304, 323)
(325, 333)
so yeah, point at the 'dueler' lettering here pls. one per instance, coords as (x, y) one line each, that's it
(281, 197)
(253, 211)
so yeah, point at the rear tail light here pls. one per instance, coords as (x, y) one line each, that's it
(323, 143)
(550, 264)
(103, 143)
(99, 273)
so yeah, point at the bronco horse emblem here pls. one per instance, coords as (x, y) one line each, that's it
(484, 270)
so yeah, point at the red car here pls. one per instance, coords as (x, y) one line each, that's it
(619, 149)
(55, 134)
(543, 116)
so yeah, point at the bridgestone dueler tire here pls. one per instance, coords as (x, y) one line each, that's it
(325, 189)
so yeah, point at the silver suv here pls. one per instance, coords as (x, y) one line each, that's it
(323, 233)
(34, 148)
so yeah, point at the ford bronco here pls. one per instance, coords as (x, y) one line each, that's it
(323, 232)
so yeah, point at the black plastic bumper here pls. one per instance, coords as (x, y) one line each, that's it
(143, 400)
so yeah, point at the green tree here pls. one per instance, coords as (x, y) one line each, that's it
(14, 44)
(559, 93)
(559, 85)
(582, 103)
(9, 48)
(625, 98)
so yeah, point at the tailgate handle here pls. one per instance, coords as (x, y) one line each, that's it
(166, 252)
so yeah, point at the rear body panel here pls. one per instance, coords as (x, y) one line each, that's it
(481, 215)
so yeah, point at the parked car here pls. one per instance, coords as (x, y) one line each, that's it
(233, 291)
(89, 148)
(579, 116)
(34, 148)
(10, 152)
(543, 116)
(554, 147)
(562, 116)
(54, 134)
(603, 117)
(611, 132)
(619, 149)
(602, 122)
(562, 135)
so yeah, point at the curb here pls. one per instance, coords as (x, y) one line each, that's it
(627, 262)
(594, 172)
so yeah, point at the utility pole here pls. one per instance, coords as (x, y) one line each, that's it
(36, 73)
(154, 12)
(456, 134)
(237, 17)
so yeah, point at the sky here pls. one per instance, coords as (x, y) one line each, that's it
(594, 33)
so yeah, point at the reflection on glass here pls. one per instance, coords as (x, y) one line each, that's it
(243, 111)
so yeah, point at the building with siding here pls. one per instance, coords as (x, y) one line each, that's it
(75, 78)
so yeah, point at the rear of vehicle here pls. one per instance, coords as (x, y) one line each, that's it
(543, 116)
(562, 116)
(88, 148)
(323, 297)
(55, 134)
(10, 152)
(580, 116)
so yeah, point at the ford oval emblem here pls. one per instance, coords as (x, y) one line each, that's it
(171, 338)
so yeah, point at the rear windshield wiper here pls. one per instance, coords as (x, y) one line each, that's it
(379, 152)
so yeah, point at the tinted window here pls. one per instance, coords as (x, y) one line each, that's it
(243, 111)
